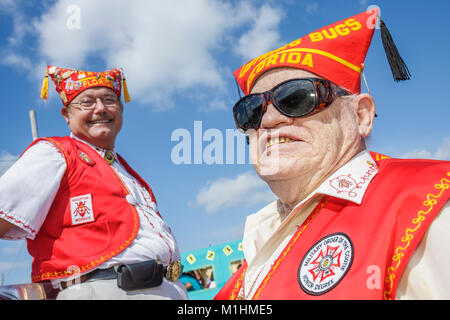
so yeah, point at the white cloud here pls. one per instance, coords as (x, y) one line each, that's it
(163, 47)
(263, 35)
(441, 153)
(246, 189)
(21, 27)
(17, 61)
(6, 161)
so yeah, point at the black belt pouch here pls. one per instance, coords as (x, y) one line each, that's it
(140, 275)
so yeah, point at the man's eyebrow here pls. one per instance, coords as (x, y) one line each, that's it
(87, 97)
(108, 95)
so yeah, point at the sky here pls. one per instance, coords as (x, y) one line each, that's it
(178, 57)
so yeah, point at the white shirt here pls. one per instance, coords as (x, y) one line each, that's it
(28, 188)
(267, 233)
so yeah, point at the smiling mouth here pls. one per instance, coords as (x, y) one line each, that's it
(100, 121)
(278, 140)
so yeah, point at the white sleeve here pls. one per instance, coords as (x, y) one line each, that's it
(28, 188)
(426, 275)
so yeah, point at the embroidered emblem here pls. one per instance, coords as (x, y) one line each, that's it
(85, 158)
(72, 85)
(325, 264)
(344, 183)
(81, 209)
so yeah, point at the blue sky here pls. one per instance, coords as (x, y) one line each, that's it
(178, 57)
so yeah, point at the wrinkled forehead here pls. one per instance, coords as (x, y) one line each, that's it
(271, 78)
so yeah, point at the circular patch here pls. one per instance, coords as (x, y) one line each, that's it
(325, 264)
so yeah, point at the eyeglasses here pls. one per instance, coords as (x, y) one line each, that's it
(89, 103)
(293, 98)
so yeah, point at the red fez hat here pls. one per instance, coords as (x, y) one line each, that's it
(69, 82)
(335, 52)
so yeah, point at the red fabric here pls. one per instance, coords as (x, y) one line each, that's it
(398, 207)
(69, 82)
(230, 291)
(335, 52)
(59, 244)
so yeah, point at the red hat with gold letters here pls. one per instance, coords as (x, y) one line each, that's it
(335, 52)
(69, 82)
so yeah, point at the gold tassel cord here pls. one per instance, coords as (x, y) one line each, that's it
(44, 89)
(126, 95)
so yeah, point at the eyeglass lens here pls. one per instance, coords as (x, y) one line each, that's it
(249, 111)
(295, 98)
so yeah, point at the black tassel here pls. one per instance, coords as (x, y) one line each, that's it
(398, 66)
(239, 91)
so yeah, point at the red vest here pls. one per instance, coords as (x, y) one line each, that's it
(110, 223)
(349, 251)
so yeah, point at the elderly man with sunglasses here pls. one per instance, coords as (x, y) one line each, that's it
(91, 222)
(349, 223)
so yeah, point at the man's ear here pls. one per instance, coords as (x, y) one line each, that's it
(364, 105)
(65, 114)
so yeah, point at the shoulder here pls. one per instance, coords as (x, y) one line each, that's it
(46, 142)
(386, 161)
(42, 149)
(40, 154)
(56, 147)
(418, 179)
(409, 169)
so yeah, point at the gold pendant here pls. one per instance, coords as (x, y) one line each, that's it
(109, 157)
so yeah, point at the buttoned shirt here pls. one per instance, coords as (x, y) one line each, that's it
(268, 231)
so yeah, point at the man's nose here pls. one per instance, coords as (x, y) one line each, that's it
(99, 106)
(273, 118)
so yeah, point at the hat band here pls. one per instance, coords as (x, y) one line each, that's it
(270, 61)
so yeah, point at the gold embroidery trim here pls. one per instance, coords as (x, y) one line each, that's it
(238, 285)
(430, 202)
(289, 247)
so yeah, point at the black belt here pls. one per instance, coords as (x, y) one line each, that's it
(134, 276)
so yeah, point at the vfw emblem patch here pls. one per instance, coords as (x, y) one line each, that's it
(81, 209)
(325, 264)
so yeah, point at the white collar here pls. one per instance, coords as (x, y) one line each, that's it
(349, 182)
(99, 150)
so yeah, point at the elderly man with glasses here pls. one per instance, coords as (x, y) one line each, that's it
(349, 223)
(91, 222)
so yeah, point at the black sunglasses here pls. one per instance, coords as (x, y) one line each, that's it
(293, 98)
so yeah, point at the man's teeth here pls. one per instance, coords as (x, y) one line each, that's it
(278, 140)
(101, 121)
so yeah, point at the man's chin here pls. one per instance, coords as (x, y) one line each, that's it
(275, 171)
(104, 140)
